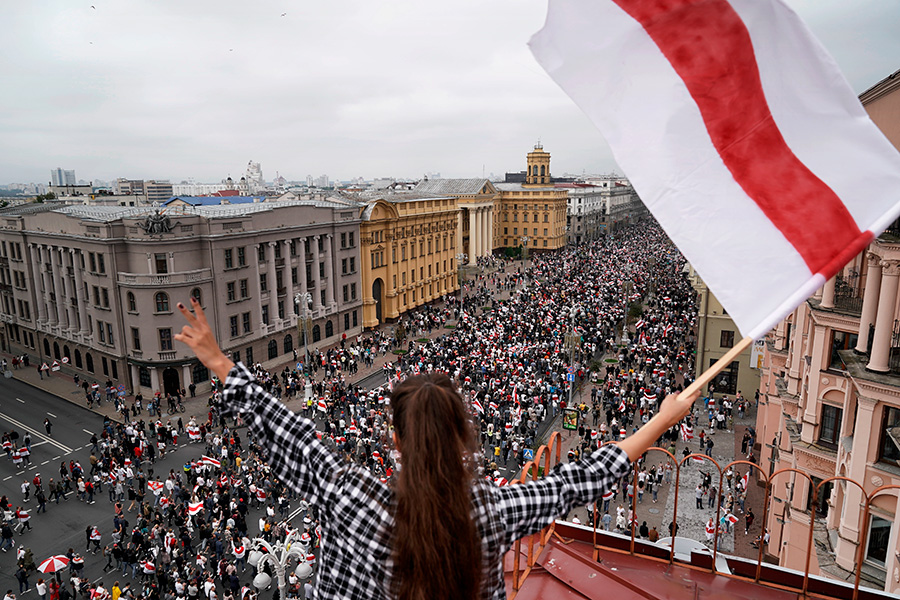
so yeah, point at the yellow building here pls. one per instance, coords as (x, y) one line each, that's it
(533, 212)
(408, 253)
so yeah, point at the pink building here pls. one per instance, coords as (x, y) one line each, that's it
(830, 407)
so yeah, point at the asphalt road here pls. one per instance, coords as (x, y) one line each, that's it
(24, 408)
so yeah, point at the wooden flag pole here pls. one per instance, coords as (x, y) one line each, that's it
(717, 368)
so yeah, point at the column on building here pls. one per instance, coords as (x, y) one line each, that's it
(259, 297)
(79, 292)
(288, 281)
(185, 376)
(828, 293)
(459, 232)
(47, 282)
(853, 499)
(154, 379)
(810, 412)
(473, 229)
(67, 289)
(304, 283)
(490, 239)
(485, 221)
(329, 270)
(39, 292)
(884, 318)
(58, 287)
(870, 301)
(135, 378)
(317, 295)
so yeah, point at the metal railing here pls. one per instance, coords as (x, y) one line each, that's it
(538, 541)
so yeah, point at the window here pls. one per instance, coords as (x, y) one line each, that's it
(162, 265)
(201, 373)
(343, 240)
(265, 314)
(101, 332)
(322, 298)
(109, 335)
(144, 377)
(261, 252)
(244, 288)
(245, 319)
(229, 287)
(317, 333)
(105, 293)
(89, 361)
(249, 354)
(346, 290)
(242, 256)
(288, 343)
(229, 259)
(878, 538)
(344, 263)
(278, 250)
(92, 261)
(726, 339)
(101, 263)
(353, 263)
(726, 381)
(105, 364)
(132, 304)
(830, 427)
(263, 283)
(236, 356)
(329, 328)
(322, 269)
(353, 291)
(165, 339)
(889, 446)
(195, 294)
(351, 237)
(293, 247)
(233, 325)
(840, 340)
(273, 349)
(135, 338)
(355, 319)
(281, 309)
(346, 321)
(162, 302)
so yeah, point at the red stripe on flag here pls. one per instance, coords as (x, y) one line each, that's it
(710, 48)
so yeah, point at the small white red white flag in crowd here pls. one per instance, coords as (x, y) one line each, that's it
(194, 508)
(155, 485)
(209, 460)
(738, 132)
(731, 518)
(687, 432)
(477, 405)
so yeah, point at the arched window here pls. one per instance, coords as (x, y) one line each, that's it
(90, 361)
(46, 347)
(542, 170)
(162, 302)
(534, 170)
(56, 350)
(78, 358)
(317, 333)
(66, 352)
(132, 304)
(329, 328)
(195, 293)
(288, 343)
(273, 349)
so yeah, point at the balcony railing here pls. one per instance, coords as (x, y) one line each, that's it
(154, 280)
(768, 581)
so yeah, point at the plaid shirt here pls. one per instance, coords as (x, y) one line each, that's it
(356, 508)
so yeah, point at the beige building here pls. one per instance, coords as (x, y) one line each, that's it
(830, 407)
(716, 335)
(409, 248)
(97, 287)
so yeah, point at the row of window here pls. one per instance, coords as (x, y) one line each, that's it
(348, 240)
(350, 320)
(525, 217)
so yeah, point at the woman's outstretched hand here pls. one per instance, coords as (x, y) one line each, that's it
(199, 337)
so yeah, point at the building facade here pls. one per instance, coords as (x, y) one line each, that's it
(409, 245)
(830, 408)
(96, 288)
(585, 212)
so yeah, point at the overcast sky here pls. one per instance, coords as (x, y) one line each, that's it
(172, 89)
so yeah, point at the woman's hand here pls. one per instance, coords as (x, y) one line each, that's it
(675, 406)
(199, 337)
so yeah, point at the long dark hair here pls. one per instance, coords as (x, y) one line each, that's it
(437, 548)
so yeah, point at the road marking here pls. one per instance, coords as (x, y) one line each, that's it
(45, 462)
(35, 433)
(40, 443)
(88, 432)
(55, 458)
(51, 414)
(8, 477)
(20, 400)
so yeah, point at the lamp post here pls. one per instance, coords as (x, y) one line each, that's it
(304, 323)
(524, 240)
(279, 556)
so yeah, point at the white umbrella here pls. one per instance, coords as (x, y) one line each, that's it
(53, 564)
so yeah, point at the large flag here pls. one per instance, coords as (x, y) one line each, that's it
(739, 133)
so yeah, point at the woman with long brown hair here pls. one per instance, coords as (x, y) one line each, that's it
(442, 531)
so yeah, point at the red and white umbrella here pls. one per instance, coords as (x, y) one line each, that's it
(53, 564)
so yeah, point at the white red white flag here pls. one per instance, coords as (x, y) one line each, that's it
(194, 508)
(155, 485)
(731, 518)
(687, 432)
(477, 405)
(208, 460)
(738, 132)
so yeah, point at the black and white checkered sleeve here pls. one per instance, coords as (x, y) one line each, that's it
(530, 507)
(296, 455)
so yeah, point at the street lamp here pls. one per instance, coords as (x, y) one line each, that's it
(524, 240)
(461, 259)
(279, 556)
(304, 323)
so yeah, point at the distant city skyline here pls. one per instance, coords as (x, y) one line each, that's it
(192, 91)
